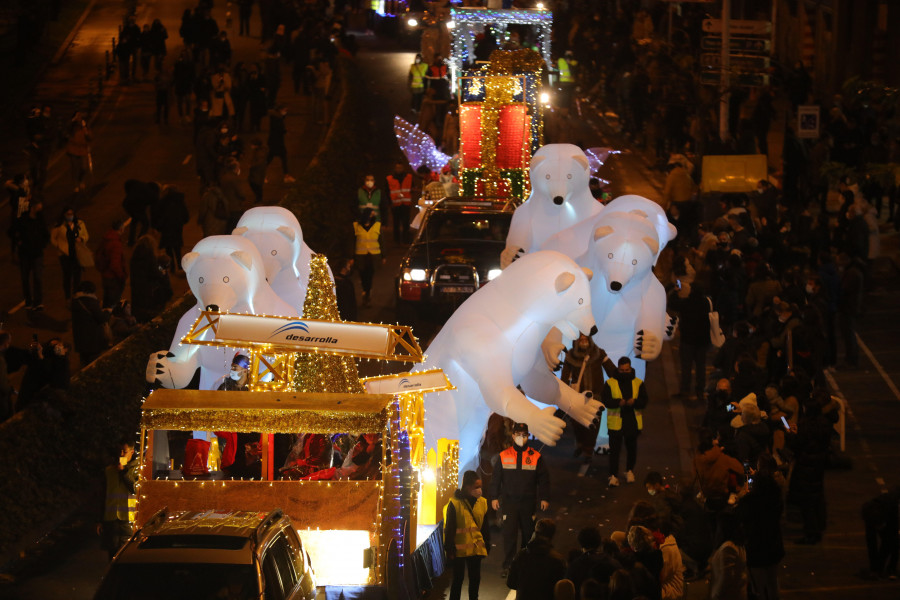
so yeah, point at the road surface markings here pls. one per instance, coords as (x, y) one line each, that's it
(878, 367)
(187, 159)
(16, 308)
(863, 442)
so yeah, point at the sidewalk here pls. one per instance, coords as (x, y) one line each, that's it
(127, 144)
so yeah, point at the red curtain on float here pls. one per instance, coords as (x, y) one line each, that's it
(513, 137)
(470, 136)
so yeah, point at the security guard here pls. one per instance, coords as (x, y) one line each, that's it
(566, 78)
(121, 503)
(624, 397)
(400, 184)
(520, 481)
(466, 534)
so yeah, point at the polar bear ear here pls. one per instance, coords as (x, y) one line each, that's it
(188, 259)
(582, 160)
(639, 213)
(564, 281)
(651, 243)
(239, 231)
(243, 258)
(588, 272)
(537, 160)
(287, 232)
(602, 232)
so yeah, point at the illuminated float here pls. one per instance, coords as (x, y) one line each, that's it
(360, 533)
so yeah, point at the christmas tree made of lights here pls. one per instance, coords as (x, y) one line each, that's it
(322, 372)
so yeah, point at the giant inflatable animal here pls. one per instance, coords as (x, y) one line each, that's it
(225, 271)
(277, 235)
(492, 343)
(627, 300)
(560, 198)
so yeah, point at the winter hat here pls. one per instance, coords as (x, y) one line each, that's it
(747, 405)
(241, 361)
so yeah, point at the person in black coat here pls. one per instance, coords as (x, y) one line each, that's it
(760, 513)
(693, 307)
(169, 217)
(150, 285)
(88, 320)
(537, 567)
(810, 440)
(138, 198)
(592, 563)
(31, 237)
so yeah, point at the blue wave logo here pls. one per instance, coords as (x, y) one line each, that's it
(407, 384)
(404, 381)
(292, 326)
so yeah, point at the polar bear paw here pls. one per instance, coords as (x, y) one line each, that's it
(158, 369)
(647, 345)
(671, 326)
(588, 412)
(509, 255)
(545, 426)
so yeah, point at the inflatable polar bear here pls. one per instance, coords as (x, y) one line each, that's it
(560, 198)
(627, 300)
(492, 343)
(276, 233)
(226, 271)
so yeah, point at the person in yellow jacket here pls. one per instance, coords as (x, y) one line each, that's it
(466, 534)
(565, 64)
(416, 80)
(121, 502)
(368, 249)
(624, 397)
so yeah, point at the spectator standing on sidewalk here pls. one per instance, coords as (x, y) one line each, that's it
(110, 261)
(624, 397)
(520, 482)
(881, 519)
(693, 308)
(245, 8)
(78, 149)
(277, 133)
(537, 567)
(68, 233)
(31, 238)
(138, 198)
(150, 285)
(850, 303)
(169, 216)
(120, 503)
(158, 37)
(89, 319)
(183, 81)
(256, 173)
(467, 535)
(162, 83)
(233, 188)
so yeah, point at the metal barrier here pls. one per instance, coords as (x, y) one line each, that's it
(841, 425)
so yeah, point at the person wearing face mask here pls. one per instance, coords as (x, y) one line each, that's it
(416, 81)
(369, 196)
(520, 483)
(625, 397)
(69, 232)
(238, 378)
(583, 369)
(467, 535)
(400, 185)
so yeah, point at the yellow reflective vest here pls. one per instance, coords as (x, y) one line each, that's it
(367, 241)
(565, 71)
(467, 538)
(416, 75)
(614, 415)
(121, 503)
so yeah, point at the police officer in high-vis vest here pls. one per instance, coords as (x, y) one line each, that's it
(400, 184)
(466, 534)
(624, 397)
(565, 65)
(121, 503)
(520, 482)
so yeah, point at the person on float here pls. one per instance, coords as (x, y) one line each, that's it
(520, 483)
(311, 452)
(624, 397)
(238, 380)
(467, 537)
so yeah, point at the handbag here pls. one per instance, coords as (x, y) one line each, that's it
(716, 336)
(83, 255)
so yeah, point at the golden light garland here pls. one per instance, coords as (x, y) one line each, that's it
(510, 62)
(322, 372)
(264, 420)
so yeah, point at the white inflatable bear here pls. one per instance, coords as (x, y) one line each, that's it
(492, 343)
(226, 271)
(560, 198)
(277, 235)
(627, 300)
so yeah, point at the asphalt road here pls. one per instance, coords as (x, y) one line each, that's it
(137, 148)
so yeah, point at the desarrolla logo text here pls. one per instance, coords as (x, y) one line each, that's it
(300, 326)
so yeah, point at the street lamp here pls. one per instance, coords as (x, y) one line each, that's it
(412, 23)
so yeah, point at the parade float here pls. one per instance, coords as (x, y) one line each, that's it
(363, 535)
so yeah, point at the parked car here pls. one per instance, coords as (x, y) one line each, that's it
(455, 252)
(211, 554)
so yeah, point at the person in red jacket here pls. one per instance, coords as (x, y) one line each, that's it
(110, 261)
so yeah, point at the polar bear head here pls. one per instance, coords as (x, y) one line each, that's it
(276, 233)
(653, 212)
(558, 171)
(225, 271)
(624, 249)
(550, 288)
